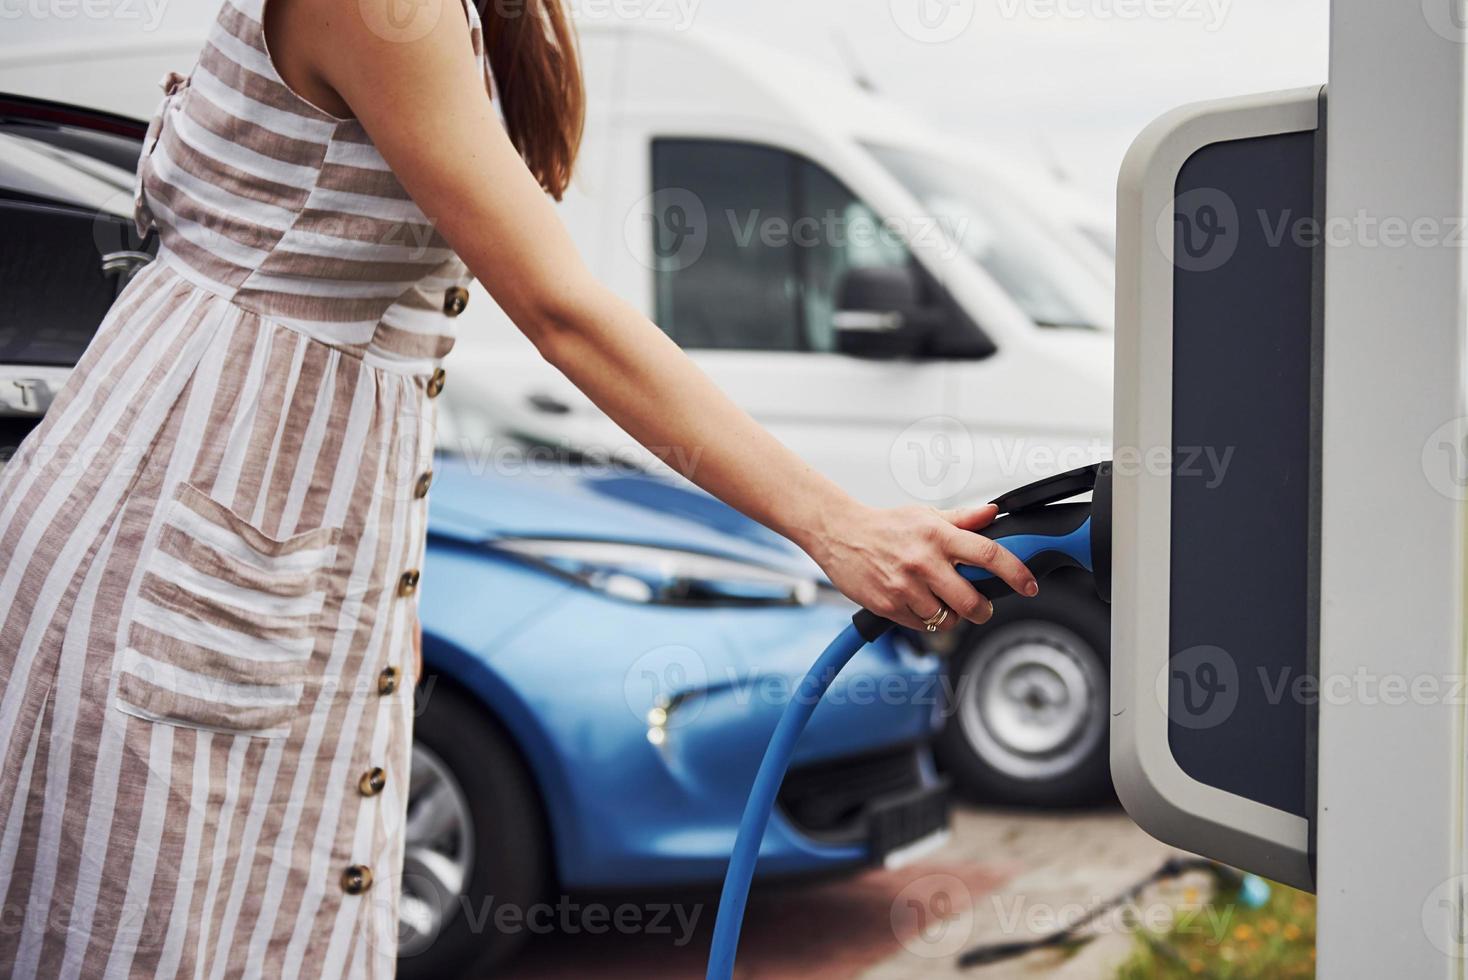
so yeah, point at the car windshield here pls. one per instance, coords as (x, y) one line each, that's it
(1003, 236)
(36, 165)
(66, 203)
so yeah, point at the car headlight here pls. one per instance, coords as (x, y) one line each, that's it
(647, 574)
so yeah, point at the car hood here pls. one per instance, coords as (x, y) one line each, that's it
(476, 503)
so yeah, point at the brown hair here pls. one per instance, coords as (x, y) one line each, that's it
(537, 69)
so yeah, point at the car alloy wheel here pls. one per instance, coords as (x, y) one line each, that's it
(475, 840)
(1029, 719)
(1033, 701)
(439, 852)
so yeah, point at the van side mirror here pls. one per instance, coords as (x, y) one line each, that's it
(880, 313)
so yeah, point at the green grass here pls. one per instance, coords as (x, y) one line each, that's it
(1224, 940)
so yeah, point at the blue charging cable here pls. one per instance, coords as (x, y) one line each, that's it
(762, 797)
(1060, 536)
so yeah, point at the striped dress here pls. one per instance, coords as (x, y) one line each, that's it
(208, 598)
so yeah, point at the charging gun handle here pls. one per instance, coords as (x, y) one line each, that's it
(1045, 539)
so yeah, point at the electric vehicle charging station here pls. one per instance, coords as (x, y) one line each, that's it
(1218, 359)
(1292, 289)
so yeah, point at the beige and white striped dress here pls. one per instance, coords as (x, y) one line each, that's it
(208, 592)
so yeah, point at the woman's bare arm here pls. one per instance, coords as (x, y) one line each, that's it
(424, 104)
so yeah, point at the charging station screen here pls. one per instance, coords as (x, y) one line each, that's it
(1239, 691)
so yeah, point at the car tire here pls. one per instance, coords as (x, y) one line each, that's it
(474, 819)
(1029, 717)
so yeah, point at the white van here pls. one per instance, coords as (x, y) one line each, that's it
(892, 307)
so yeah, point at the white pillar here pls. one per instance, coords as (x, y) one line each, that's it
(1391, 814)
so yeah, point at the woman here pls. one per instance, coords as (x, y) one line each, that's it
(207, 650)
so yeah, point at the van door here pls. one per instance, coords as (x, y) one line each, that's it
(751, 244)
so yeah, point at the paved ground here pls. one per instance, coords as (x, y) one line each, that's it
(1003, 876)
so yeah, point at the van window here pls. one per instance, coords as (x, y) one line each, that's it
(751, 243)
(995, 230)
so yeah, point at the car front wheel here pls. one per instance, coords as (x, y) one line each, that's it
(475, 842)
(1029, 718)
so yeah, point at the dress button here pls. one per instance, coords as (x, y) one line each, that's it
(356, 879)
(408, 584)
(387, 681)
(420, 490)
(372, 781)
(455, 300)
(435, 383)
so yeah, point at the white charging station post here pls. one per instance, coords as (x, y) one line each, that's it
(1288, 627)
(1390, 786)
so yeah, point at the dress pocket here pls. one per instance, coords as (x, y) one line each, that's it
(222, 627)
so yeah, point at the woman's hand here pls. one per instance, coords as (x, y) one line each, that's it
(900, 563)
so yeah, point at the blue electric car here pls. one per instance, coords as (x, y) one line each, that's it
(607, 653)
